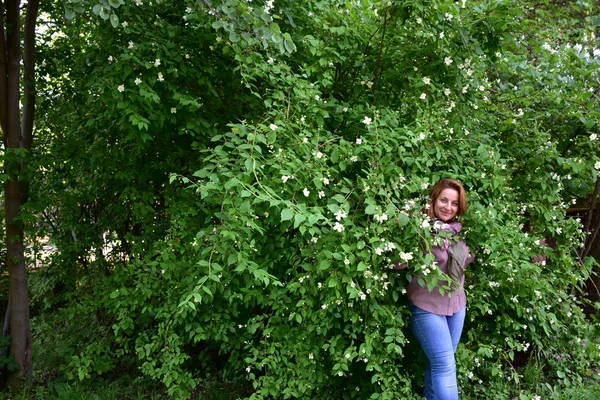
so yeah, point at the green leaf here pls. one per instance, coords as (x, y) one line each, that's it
(114, 20)
(287, 214)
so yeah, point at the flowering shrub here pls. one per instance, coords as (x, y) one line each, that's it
(276, 243)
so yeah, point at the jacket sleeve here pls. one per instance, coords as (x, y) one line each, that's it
(470, 256)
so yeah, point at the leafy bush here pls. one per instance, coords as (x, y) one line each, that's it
(265, 258)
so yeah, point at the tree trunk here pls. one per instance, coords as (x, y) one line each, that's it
(20, 345)
(17, 135)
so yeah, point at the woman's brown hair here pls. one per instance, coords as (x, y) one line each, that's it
(448, 183)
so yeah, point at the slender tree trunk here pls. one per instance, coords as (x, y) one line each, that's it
(17, 135)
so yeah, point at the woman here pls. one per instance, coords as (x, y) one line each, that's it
(437, 317)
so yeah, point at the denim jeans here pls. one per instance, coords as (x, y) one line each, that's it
(439, 336)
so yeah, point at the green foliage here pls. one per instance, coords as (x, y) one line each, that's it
(227, 188)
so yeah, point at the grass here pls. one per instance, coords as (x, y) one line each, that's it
(127, 390)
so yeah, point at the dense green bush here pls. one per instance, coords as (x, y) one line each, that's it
(254, 229)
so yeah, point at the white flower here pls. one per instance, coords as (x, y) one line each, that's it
(138, 2)
(248, 368)
(321, 194)
(285, 178)
(157, 62)
(465, 89)
(481, 88)
(441, 35)
(427, 80)
(306, 192)
(423, 96)
(340, 214)
(593, 136)
(325, 181)
(270, 60)
(319, 154)
(110, 59)
(173, 110)
(160, 77)
(449, 16)
(305, 140)
(273, 127)
(448, 60)
(314, 239)
(125, 24)
(310, 356)
(367, 120)
(121, 88)
(188, 10)
(379, 251)
(354, 158)
(138, 81)
(130, 45)
(406, 256)
(597, 165)
(346, 261)
(358, 140)
(419, 20)
(338, 227)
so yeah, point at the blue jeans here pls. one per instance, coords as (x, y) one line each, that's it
(438, 336)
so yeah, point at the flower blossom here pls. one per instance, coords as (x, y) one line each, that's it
(306, 192)
(367, 120)
(340, 214)
(121, 88)
(338, 227)
(380, 218)
(273, 127)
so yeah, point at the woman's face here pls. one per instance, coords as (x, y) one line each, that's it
(446, 205)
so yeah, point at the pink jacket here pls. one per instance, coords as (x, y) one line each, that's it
(434, 302)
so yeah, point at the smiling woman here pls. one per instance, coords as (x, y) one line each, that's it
(437, 316)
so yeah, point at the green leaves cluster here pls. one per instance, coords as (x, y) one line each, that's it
(228, 188)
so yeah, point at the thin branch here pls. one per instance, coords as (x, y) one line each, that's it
(29, 73)
(588, 218)
(3, 76)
